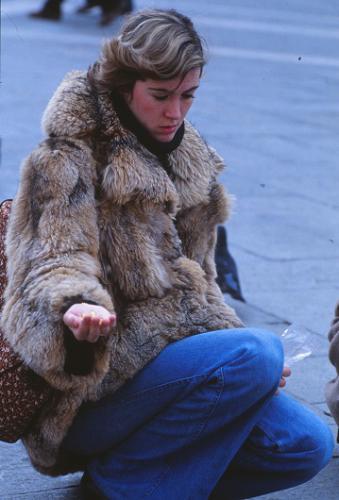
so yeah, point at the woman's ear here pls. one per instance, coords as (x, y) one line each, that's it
(127, 96)
(126, 93)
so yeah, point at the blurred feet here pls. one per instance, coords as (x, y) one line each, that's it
(126, 6)
(89, 5)
(84, 9)
(51, 11)
(111, 10)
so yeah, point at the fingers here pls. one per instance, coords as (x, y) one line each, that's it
(286, 373)
(92, 327)
(88, 323)
(282, 382)
(88, 329)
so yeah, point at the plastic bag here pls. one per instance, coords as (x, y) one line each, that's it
(297, 343)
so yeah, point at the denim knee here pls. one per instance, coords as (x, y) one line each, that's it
(319, 450)
(264, 359)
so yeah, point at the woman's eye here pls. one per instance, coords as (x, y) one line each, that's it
(160, 97)
(188, 96)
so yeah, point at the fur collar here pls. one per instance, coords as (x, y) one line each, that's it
(132, 171)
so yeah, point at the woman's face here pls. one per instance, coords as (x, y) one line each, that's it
(161, 105)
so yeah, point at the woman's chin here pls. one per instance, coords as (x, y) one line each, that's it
(164, 136)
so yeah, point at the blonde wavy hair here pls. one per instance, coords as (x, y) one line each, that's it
(156, 44)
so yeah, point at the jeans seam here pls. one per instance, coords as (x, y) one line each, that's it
(198, 433)
(160, 388)
(214, 404)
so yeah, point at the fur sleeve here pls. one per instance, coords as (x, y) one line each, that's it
(52, 247)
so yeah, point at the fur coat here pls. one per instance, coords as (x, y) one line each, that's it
(97, 219)
(332, 387)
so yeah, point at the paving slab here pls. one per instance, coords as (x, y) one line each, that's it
(19, 480)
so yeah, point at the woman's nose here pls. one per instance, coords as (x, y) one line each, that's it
(173, 110)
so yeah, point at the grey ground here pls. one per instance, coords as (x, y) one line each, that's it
(269, 103)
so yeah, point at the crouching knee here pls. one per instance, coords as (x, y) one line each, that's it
(263, 360)
(318, 450)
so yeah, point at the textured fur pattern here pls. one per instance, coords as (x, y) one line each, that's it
(97, 218)
(332, 387)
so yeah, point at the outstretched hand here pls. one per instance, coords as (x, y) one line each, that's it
(89, 322)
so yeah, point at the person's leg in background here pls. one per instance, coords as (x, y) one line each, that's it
(87, 6)
(51, 10)
(175, 428)
(111, 9)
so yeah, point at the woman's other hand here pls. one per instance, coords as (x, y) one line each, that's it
(286, 373)
(88, 322)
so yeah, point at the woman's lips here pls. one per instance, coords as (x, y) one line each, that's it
(168, 129)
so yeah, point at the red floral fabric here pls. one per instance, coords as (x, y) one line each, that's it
(22, 392)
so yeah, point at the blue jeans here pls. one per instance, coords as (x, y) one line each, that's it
(202, 421)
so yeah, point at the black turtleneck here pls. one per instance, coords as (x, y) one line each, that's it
(129, 120)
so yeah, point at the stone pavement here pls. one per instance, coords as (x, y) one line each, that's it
(269, 103)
